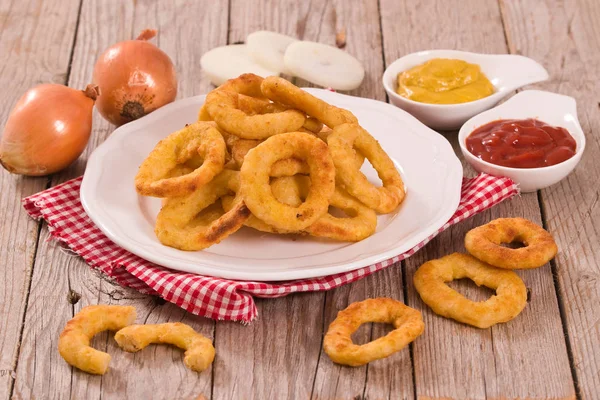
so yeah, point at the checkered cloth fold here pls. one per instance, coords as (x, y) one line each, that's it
(211, 297)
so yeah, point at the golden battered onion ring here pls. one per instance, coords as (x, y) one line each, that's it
(360, 223)
(313, 125)
(430, 282)
(286, 93)
(342, 142)
(74, 341)
(203, 115)
(176, 226)
(287, 167)
(255, 180)
(484, 243)
(222, 105)
(199, 138)
(199, 350)
(338, 342)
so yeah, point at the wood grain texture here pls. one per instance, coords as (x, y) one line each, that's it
(527, 357)
(158, 371)
(35, 43)
(565, 38)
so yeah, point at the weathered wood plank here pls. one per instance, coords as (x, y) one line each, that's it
(157, 372)
(564, 36)
(527, 357)
(35, 43)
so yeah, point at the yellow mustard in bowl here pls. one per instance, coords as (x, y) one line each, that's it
(444, 81)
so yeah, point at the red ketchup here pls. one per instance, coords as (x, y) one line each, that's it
(521, 143)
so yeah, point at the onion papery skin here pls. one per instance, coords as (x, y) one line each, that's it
(135, 78)
(47, 130)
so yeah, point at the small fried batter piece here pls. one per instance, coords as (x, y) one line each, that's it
(338, 341)
(430, 282)
(199, 350)
(484, 243)
(74, 341)
(197, 139)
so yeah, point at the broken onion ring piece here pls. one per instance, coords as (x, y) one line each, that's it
(199, 350)
(74, 341)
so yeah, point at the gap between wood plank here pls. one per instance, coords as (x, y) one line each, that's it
(40, 225)
(561, 305)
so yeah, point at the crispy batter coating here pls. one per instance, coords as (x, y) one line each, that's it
(197, 139)
(359, 224)
(223, 106)
(199, 351)
(288, 94)
(431, 278)
(255, 180)
(338, 342)
(342, 142)
(177, 223)
(484, 243)
(74, 341)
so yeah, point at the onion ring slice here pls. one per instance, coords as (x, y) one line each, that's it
(255, 185)
(177, 225)
(286, 93)
(484, 242)
(222, 105)
(199, 138)
(430, 282)
(342, 142)
(338, 344)
(360, 223)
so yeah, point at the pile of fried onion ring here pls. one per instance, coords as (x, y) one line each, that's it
(271, 156)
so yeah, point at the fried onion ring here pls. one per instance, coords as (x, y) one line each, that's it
(176, 224)
(430, 282)
(288, 94)
(199, 350)
(484, 243)
(342, 142)
(255, 180)
(338, 342)
(199, 138)
(74, 341)
(360, 223)
(222, 105)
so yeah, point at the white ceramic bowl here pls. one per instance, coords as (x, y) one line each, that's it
(506, 72)
(551, 108)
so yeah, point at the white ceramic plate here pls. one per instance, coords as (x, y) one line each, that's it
(431, 172)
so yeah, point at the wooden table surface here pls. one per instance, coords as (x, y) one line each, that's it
(551, 351)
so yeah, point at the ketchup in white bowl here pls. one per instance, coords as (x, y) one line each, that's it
(521, 143)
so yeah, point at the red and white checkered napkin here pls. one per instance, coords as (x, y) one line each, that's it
(204, 295)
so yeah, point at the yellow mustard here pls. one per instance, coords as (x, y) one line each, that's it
(444, 81)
